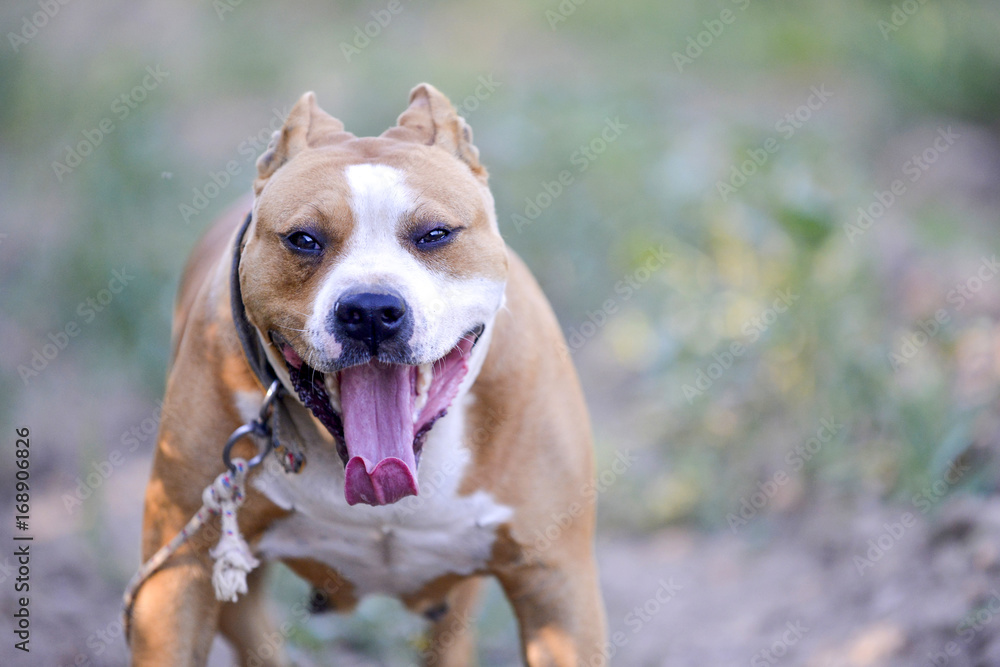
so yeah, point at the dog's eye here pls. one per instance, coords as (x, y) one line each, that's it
(303, 242)
(434, 237)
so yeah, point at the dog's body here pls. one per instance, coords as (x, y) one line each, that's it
(376, 266)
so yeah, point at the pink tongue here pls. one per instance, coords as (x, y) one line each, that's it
(377, 402)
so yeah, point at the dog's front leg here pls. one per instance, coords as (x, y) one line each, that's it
(175, 614)
(452, 642)
(559, 610)
(249, 629)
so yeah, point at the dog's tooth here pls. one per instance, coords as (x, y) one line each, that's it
(425, 374)
(332, 384)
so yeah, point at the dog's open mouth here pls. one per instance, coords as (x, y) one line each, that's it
(380, 414)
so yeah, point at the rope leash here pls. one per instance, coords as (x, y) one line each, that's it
(274, 425)
(223, 497)
(233, 558)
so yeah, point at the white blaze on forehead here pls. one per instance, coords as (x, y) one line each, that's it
(379, 202)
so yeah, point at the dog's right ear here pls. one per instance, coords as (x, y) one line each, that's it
(306, 126)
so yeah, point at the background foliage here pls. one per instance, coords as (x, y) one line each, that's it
(556, 79)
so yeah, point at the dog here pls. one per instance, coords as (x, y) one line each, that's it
(436, 429)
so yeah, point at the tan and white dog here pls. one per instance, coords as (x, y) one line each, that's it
(425, 376)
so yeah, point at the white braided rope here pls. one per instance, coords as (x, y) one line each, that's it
(233, 558)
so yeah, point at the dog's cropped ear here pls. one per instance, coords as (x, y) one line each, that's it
(432, 120)
(307, 126)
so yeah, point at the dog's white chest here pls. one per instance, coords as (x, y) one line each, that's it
(392, 549)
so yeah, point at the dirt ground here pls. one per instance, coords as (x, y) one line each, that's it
(806, 589)
(820, 581)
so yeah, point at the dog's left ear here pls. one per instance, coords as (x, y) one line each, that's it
(307, 126)
(432, 120)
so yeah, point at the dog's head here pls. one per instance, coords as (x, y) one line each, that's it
(371, 269)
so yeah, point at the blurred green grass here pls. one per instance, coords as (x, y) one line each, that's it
(827, 356)
(656, 184)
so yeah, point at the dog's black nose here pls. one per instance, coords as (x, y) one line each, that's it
(369, 317)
